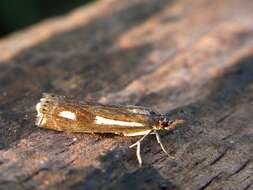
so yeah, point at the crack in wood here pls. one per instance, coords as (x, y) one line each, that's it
(33, 174)
(46, 168)
(160, 160)
(225, 117)
(243, 166)
(208, 183)
(230, 135)
(248, 186)
(218, 158)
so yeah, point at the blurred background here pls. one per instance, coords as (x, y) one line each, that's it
(16, 14)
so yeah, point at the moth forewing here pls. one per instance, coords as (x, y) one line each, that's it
(61, 114)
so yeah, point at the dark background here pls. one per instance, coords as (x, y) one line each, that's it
(16, 14)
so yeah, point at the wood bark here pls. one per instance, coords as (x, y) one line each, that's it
(188, 59)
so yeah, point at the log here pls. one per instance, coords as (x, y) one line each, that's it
(191, 60)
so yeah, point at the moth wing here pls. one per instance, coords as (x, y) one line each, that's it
(64, 114)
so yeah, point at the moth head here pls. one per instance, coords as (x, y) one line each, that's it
(168, 124)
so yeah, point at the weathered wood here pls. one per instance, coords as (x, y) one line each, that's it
(189, 59)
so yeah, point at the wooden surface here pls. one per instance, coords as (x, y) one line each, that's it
(188, 59)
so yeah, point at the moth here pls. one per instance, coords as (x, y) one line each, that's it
(65, 114)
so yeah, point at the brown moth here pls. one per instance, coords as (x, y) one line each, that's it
(64, 114)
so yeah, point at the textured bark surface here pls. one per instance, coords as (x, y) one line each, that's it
(189, 59)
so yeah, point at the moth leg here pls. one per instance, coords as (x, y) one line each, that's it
(141, 139)
(138, 150)
(138, 153)
(161, 144)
